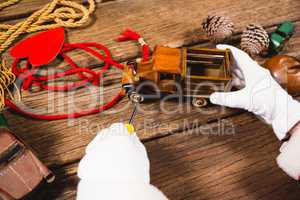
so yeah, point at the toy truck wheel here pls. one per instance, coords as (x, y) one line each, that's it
(132, 62)
(136, 98)
(199, 102)
(50, 178)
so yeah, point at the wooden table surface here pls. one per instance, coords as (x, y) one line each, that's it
(188, 161)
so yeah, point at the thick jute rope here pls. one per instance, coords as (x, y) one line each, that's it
(58, 13)
(8, 3)
(55, 14)
(7, 78)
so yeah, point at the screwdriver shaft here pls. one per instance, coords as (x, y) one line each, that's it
(133, 114)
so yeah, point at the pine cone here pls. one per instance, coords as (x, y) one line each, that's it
(255, 39)
(218, 28)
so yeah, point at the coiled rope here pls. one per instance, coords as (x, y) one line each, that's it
(6, 78)
(58, 13)
(8, 3)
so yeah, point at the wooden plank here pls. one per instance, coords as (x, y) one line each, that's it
(196, 166)
(176, 23)
(25, 8)
(233, 158)
(22, 9)
(162, 22)
(63, 141)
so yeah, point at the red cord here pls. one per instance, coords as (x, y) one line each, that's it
(131, 35)
(30, 78)
(101, 108)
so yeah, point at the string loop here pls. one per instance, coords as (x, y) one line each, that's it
(30, 77)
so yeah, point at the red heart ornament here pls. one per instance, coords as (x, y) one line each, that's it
(41, 48)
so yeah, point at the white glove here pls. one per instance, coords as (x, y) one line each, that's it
(289, 159)
(116, 166)
(261, 94)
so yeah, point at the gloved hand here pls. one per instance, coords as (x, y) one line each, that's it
(261, 94)
(116, 166)
(289, 160)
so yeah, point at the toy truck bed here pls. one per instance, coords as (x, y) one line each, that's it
(206, 71)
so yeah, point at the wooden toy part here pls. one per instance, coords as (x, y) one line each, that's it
(286, 71)
(41, 48)
(167, 60)
(199, 71)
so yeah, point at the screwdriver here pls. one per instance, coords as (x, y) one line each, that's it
(129, 125)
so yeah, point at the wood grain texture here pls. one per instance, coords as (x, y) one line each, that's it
(25, 8)
(53, 139)
(204, 163)
(22, 9)
(175, 23)
(186, 165)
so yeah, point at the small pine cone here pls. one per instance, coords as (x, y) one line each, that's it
(218, 28)
(255, 39)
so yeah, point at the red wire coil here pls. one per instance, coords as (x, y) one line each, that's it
(29, 79)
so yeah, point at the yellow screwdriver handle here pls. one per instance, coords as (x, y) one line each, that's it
(130, 128)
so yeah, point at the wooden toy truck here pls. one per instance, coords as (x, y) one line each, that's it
(198, 71)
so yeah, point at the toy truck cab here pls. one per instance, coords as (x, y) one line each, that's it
(189, 72)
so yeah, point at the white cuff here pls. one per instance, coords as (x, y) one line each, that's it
(288, 116)
(289, 159)
(93, 190)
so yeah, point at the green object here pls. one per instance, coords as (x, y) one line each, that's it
(286, 29)
(277, 42)
(281, 35)
(3, 122)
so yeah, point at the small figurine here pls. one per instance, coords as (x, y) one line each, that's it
(218, 28)
(20, 170)
(286, 71)
(189, 72)
(254, 39)
(281, 36)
